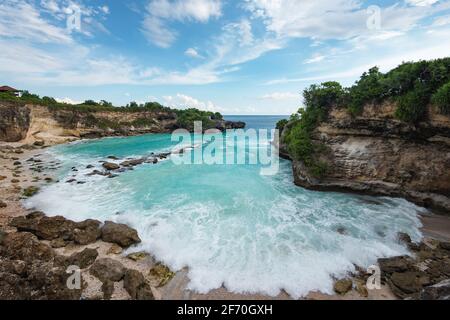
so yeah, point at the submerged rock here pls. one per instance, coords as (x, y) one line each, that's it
(120, 234)
(110, 166)
(162, 273)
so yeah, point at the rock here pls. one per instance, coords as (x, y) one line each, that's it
(2, 178)
(47, 228)
(162, 273)
(120, 234)
(89, 166)
(132, 163)
(84, 258)
(114, 249)
(439, 291)
(395, 264)
(110, 166)
(58, 243)
(445, 246)
(343, 286)
(15, 181)
(137, 256)
(108, 289)
(404, 238)
(71, 180)
(362, 289)
(17, 163)
(3, 204)
(408, 283)
(25, 246)
(30, 191)
(135, 284)
(113, 158)
(39, 143)
(87, 232)
(107, 269)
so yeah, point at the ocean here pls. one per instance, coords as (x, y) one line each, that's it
(231, 225)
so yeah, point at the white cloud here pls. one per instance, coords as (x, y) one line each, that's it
(156, 32)
(193, 53)
(421, 3)
(68, 100)
(316, 58)
(19, 19)
(281, 96)
(339, 19)
(182, 101)
(161, 12)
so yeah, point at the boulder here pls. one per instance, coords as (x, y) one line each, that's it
(25, 246)
(404, 238)
(107, 269)
(343, 286)
(110, 166)
(84, 258)
(58, 243)
(395, 264)
(135, 284)
(439, 291)
(46, 228)
(114, 249)
(407, 284)
(120, 234)
(107, 289)
(138, 256)
(87, 232)
(132, 163)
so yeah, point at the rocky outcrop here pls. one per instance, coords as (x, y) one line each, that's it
(376, 154)
(120, 234)
(41, 125)
(14, 122)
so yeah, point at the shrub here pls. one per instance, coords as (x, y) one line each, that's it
(442, 99)
(281, 124)
(412, 106)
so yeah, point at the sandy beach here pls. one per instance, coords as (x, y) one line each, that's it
(22, 167)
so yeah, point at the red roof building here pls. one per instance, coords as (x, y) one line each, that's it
(10, 90)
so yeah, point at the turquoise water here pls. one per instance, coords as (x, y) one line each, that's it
(230, 225)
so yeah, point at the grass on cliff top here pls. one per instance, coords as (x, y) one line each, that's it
(413, 85)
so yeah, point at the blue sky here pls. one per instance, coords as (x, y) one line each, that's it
(236, 57)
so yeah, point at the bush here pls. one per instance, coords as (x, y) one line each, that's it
(442, 99)
(281, 124)
(412, 106)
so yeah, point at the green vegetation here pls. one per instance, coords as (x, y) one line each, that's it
(442, 98)
(318, 100)
(185, 118)
(411, 85)
(30, 191)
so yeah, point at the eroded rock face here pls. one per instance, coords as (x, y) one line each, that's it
(14, 122)
(439, 291)
(120, 234)
(376, 154)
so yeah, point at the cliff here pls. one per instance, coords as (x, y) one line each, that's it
(30, 123)
(374, 153)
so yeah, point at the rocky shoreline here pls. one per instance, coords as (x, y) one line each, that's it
(35, 251)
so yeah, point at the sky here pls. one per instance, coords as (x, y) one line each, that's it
(234, 57)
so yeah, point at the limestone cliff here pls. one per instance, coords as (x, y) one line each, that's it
(376, 154)
(35, 123)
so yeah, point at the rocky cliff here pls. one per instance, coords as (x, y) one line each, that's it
(376, 154)
(30, 123)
